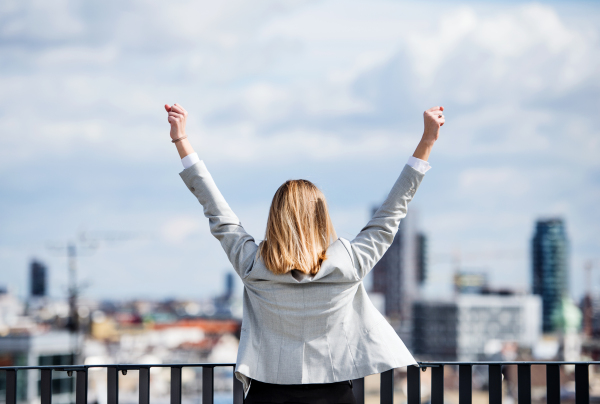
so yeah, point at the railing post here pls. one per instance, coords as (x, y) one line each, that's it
(112, 385)
(81, 387)
(437, 385)
(11, 386)
(176, 385)
(238, 390)
(524, 384)
(552, 384)
(386, 389)
(465, 384)
(144, 386)
(582, 384)
(495, 384)
(358, 389)
(207, 385)
(413, 384)
(46, 386)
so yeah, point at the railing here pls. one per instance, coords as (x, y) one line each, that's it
(465, 378)
(112, 381)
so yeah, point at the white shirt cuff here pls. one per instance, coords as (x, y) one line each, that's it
(190, 160)
(421, 166)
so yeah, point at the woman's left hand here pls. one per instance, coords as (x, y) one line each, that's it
(177, 118)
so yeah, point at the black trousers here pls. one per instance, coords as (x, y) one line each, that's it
(328, 393)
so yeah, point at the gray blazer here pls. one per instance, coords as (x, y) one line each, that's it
(299, 329)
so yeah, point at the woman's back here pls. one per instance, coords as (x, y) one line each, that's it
(300, 329)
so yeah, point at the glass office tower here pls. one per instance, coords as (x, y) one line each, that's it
(550, 267)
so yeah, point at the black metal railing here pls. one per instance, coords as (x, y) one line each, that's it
(112, 381)
(465, 380)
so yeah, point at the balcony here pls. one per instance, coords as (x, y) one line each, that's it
(386, 391)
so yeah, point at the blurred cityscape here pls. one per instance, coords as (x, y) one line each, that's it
(479, 323)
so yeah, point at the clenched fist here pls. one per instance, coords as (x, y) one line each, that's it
(177, 119)
(434, 120)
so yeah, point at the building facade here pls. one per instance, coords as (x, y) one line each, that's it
(38, 349)
(550, 277)
(399, 273)
(460, 329)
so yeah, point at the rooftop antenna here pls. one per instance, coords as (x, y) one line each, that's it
(588, 309)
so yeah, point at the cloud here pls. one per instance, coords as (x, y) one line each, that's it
(333, 89)
(45, 22)
(485, 181)
(178, 229)
(516, 56)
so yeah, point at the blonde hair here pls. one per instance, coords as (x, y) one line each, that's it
(299, 229)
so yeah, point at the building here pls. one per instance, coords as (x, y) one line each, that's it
(38, 349)
(549, 251)
(435, 330)
(422, 254)
(38, 279)
(11, 310)
(399, 273)
(591, 316)
(470, 282)
(461, 329)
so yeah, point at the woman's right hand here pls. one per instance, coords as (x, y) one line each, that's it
(177, 118)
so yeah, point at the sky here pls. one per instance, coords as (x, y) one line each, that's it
(331, 91)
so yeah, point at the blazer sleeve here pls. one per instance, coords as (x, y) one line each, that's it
(376, 237)
(224, 224)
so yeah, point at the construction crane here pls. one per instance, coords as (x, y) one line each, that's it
(457, 259)
(85, 244)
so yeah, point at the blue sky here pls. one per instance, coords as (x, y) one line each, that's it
(331, 91)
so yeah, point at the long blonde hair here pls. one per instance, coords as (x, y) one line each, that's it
(299, 229)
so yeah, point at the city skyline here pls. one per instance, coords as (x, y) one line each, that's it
(306, 90)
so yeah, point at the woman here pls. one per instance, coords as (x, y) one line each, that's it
(308, 326)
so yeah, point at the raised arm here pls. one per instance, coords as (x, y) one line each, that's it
(224, 224)
(376, 237)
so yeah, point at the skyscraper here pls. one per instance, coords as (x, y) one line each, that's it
(550, 267)
(421, 258)
(229, 279)
(37, 278)
(400, 271)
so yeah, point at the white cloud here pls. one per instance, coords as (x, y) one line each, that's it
(480, 182)
(39, 20)
(429, 50)
(313, 84)
(70, 57)
(178, 229)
